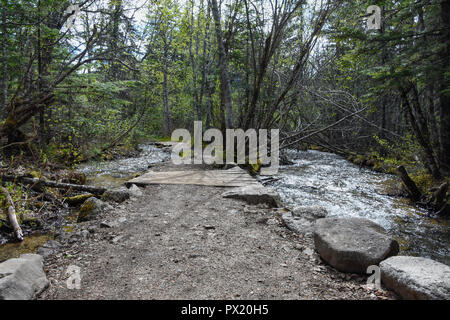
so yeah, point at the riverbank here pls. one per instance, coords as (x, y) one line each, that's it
(187, 242)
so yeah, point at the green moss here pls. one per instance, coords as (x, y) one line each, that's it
(85, 210)
(76, 200)
(68, 229)
(137, 174)
(423, 180)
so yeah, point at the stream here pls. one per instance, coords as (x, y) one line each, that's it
(345, 190)
(315, 179)
(322, 179)
(110, 174)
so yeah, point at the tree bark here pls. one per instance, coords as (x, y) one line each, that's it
(167, 125)
(411, 187)
(225, 83)
(444, 97)
(5, 63)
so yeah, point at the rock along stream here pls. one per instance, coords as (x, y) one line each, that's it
(345, 190)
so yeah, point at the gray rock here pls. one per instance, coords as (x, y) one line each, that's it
(116, 195)
(22, 278)
(135, 191)
(352, 244)
(112, 224)
(49, 248)
(301, 220)
(310, 212)
(92, 208)
(254, 194)
(416, 278)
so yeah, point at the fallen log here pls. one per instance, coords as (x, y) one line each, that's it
(440, 201)
(53, 184)
(12, 214)
(410, 186)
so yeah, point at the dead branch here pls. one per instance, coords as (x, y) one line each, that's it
(12, 214)
(53, 184)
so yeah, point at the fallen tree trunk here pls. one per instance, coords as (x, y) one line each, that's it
(12, 214)
(410, 186)
(54, 184)
(440, 201)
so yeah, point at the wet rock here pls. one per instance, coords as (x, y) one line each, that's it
(285, 161)
(416, 278)
(310, 212)
(22, 278)
(116, 195)
(301, 220)
(91, 208)
(49, 248)
(352, 244)
(254, 194)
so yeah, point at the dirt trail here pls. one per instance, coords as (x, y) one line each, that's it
(187, 242)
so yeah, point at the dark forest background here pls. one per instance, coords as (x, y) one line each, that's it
(126, 71)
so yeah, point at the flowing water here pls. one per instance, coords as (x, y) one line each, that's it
(345, 190)
(319, 179)
(114, 173)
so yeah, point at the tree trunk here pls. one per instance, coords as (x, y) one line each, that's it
(411, 187)
(5, 65)
(167, 124)
(444, 97)
(225, 84)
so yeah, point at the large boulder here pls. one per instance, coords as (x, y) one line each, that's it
(352, 244)
(22, 278)
(92, 208)
(416, 278)
(254, 194)
(301, 219)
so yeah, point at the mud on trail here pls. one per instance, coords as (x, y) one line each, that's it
(187, 242)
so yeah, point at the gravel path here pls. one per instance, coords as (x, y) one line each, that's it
(187, 242)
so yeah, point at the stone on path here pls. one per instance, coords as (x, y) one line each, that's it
(254, 194)
(22, 278)
(135, 191)
(92, 208)
(416, 278)
(49, 248)
(352, 244)
(301, 219)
